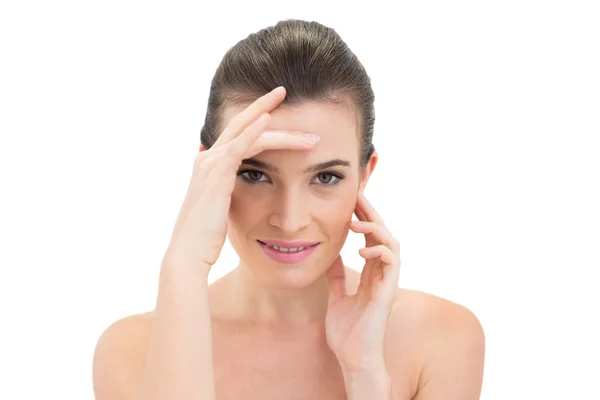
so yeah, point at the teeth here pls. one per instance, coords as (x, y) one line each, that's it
(286, 250)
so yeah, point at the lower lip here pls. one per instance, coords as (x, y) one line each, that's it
(288, 258)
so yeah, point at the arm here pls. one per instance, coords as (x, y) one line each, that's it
(179, 361)
(179, 364)
(169, 357)
(454, 366)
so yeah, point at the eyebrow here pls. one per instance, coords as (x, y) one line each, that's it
(312, 168)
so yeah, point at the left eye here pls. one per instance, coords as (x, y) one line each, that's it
(253, 176)
(328, 177)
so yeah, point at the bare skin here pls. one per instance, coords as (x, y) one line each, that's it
(287, 364)
(255, 362)
(267, 323)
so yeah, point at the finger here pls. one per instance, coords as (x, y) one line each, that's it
(391, 262)
(238, 146)
(280, 140)
(336, 276)
(236, 151)
(367, 210)
(387, 286)
(381, 251)
(379, 232)
(255, 140)
(260, 106)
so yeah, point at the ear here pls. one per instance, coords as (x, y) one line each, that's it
(368, 171)
(202, 148)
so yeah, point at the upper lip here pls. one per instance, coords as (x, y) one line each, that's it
(289, 245)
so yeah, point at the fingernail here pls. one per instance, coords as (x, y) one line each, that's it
(312, 139)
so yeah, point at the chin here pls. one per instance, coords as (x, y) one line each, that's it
(288, 276)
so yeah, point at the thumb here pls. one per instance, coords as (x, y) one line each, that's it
(336, 276)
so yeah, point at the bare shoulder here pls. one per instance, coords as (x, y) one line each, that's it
(433, 348)
(430, 312)
(119, 357)
(447, 343)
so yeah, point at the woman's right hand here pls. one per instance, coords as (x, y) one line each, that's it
(201, 226)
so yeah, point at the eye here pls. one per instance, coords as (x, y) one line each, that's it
(252, 175)
(329, 178)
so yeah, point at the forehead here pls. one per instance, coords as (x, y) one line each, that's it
(336, 124)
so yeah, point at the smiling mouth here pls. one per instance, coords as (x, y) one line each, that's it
(288, 250)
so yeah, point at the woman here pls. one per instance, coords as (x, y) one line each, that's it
(282, 172)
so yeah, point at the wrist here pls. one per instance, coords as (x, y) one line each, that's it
(175, 272)
(177, 259)
(372, 385)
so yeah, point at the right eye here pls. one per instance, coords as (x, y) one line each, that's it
(252, 176)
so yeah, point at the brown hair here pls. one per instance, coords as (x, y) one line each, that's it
(309, 59)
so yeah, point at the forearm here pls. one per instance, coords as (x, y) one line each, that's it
(180, 362)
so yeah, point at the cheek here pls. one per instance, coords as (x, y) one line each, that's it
(335, 217)
(250, 206)
(243, 208)
(338, 212)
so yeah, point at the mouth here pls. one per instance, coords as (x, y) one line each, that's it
(288, 255)
(288, 249)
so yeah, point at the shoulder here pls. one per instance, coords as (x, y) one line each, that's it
(448, 344)
(119, 357)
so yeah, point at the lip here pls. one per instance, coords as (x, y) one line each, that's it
(289, 245)
(288, 258)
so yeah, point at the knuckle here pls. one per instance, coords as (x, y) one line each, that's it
(231, 157)
(236, 120)
(209, 164)
(199, 161)
(235, 123)
(205, 163)
(235, 151)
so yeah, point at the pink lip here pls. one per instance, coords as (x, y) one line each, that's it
(288, 258)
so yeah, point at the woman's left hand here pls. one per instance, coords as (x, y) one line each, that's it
(355, 325)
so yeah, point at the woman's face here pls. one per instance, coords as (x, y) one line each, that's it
(285, 203)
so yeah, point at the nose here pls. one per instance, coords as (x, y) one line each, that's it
(290, 212)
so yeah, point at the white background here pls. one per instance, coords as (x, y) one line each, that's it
(487, 129)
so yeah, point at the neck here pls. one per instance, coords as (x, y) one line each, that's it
(280, 308)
